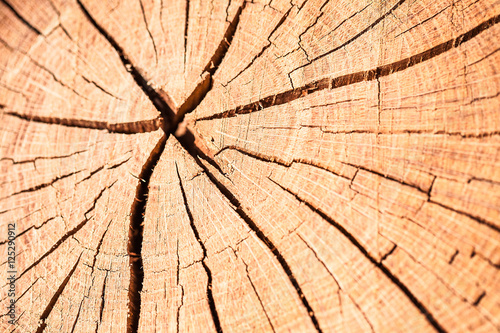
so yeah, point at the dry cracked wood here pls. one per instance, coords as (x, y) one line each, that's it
(235, 166)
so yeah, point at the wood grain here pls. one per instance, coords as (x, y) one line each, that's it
(234, 166)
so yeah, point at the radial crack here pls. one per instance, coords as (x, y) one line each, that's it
(92, 284)
(98, 86)
(470, 215)
(135, 236)
(269, 43)
(55, 297)
(221, 50)
(149, 31)
(101, 308)
(256, 293)
(160, 100)
(99, 245)
(141, 126)
(349, 79)
(210, 297)
(279, 161)
(359, 34)
(186, 25)
(244, 216)
(16, 13)
(66, 235)
(33, 160)
(430, 318)
(40, 186)
(213, 64)
(31, 227)
(77, 315)
(338, 285)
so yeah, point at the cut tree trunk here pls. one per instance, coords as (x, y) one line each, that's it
(233, 166)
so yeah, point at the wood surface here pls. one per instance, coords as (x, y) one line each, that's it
(251, 166)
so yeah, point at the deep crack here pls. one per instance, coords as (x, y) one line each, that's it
(135, 235)
(260, 234)
(160, 100)
(352, 78)
(134, 127)
(171, 117)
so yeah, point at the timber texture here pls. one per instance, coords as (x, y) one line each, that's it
(250, 166)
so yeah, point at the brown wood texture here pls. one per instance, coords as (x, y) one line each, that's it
(250, 166)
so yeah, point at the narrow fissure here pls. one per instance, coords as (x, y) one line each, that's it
(55, 297)
(210, 297)
(186, 25)
(472, 216)
(281, 21)
(244, 216)
(30, 228)
(85, 296)
(359, 34)
(66, 235)
(338, 285)
(256, 293)
(101, 308)
(98, 86)
(33, 160)
(18, 15)
(99, 246)
(380, 264)
(77, 316)
(135, 235)
(480, 297)
(43, 185)
(149, 31)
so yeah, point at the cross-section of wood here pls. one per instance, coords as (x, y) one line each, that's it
(249, 166)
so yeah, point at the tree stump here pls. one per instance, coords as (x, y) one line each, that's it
(234, 166)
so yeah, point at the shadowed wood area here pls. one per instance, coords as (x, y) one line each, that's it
(249, 166)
